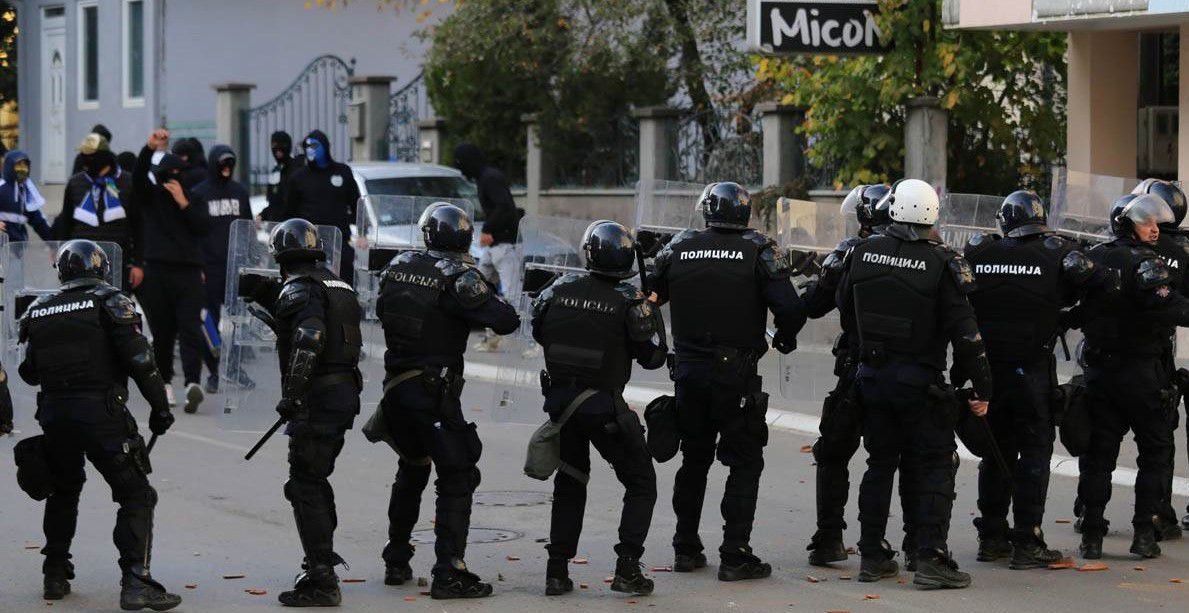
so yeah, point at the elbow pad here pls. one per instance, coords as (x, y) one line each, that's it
(1077, 268)
(307, 344)
(642, 323)
(971, 355)
(148, 379)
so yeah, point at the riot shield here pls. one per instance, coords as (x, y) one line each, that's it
(814, 227)
(964, 216)
(30, 271)
(1081, 203)
(385, 226)
(663, 209)
(249, 374)
(552, 247)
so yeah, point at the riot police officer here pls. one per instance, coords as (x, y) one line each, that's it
(1173, 247)
(84, 342)
(5, 404)
(429, 302)
(316, 317)
(591, 327)
(1024, 279)
(721, 281)
(841, 423)
(1128, 380)
(904, 293)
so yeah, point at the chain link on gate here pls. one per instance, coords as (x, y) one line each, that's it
(316, 100)
(406, 108)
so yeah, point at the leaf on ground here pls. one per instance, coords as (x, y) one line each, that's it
(1093, 566)
(608, 579)
(583, 586)
(1139, 568)
(410, 598)
(354, 580)
(845, 578)
(233, 576)
(812, 579)
(1064, 521)
(191, 586)
(1063, 564)
(662, 569)
(424, 592)
(579, 561)
(513, 558)
(256, 591)
(806, 448)
(1176, 580)
(870, 596)
(633, 601)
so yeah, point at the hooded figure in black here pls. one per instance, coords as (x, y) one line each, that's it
(79, 160)
(278, 178)
(502, 218)
(175, 223)
(191, 152)
(99, 205)
(324, 192)
(226, 200)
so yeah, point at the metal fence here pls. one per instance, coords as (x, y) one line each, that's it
(406, 108)
(610, 160)
(317, 99)
(717, 145)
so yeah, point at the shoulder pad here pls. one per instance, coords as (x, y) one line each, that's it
(1152, 273)
(452, 268)
(641, 321)
(683, 235)
(120, 308)
(963, 274)
(1077, 266)
(758, 238)
(985, 238)
(546, 294)
(1057, 242)
(405, 257)
(630, 292)
(295, 294)
(772, 258)
(471, 289)
(837, 258)
(24, 322)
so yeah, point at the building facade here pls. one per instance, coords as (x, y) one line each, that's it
(1124, 62)
(133, 65)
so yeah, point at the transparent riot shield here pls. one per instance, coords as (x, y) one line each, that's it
(663, 209)
(815, 227)
(250, 379)
(552, 247)
(964, 216)
(30, 271)
(1081, 203)
(385, 226)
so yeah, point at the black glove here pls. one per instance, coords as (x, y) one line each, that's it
(288, 408)
(784, 342)
(254, 287)
(160, 421)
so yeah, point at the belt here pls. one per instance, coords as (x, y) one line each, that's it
(336, 378)
(392, 383)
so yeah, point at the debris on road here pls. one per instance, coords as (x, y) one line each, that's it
(233, 576)
(1093, 566)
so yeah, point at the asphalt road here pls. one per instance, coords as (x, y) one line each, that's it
(220, 516)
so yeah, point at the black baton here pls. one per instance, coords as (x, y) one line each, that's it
(264, 439)
(152, 441)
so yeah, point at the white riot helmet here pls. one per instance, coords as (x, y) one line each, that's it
(912, 201)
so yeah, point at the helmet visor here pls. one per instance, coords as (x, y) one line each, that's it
(1148, 209)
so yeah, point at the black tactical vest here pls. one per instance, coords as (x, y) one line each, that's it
(70, 344)
(714, 293)
(1115, 321)
(1018, 300)
(584, 333)
(1173, 248)
(894, 284)
(344, 341)
(414, 322)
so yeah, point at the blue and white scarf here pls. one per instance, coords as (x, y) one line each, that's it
(26, 199)
(87, 212)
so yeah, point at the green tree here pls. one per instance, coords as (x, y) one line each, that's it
(1004, 91)
(8, 52)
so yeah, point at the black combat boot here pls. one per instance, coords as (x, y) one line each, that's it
(1030, 551)
(58, 572)
(139, 591)
(1143, 544)
(397, 574)
(628, 578)
(1091, 547)
(742, 565)
(318, 586)
(683, 563)
(1167, 528)
(457, 582)
(878, 565)
(939, 571)
(992, 539)
(826, 547)
(557, 577)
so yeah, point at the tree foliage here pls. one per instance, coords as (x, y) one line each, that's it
(1004, 91)
(8, 52)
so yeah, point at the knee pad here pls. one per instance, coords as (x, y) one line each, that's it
(412, 476)
(312, 458)
(697, 454)
(831, 449)
(144, 497)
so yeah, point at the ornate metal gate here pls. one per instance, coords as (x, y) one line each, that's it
(408, 106)
(317, 99)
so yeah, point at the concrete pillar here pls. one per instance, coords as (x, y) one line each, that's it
(1103, 102)
(536, 169)
(784, 150)
(231, 102)
(658, 134)
(431, 135)
(368, 118)
(1183, 102)
(925, 141)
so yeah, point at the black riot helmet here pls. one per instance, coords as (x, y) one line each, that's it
(865, 210)
(1022, 214)
(726, 205)
(82, 259)
(295, 240)
(1137, 210)
(446, 227)
(610, 249)
(1172, 196)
